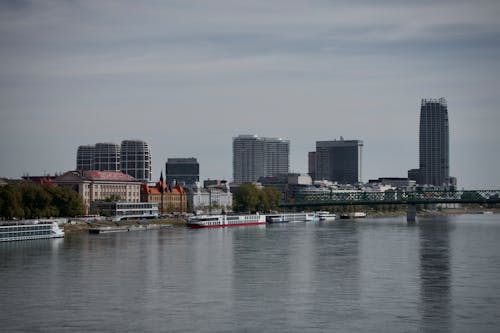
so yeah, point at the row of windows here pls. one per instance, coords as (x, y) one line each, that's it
(25, 228)
(24, 234)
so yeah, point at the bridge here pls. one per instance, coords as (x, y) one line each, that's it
(410, 198)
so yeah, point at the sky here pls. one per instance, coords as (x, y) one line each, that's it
(187, 76)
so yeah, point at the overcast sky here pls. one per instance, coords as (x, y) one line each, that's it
(187, 76)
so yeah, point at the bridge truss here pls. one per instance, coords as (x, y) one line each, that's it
(334, 198)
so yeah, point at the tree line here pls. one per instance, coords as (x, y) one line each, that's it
(249, 198)
(28, 201)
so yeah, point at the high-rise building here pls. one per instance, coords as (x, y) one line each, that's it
(135, 159)
(85, 157)
(434, 158)
(107, 157)
(255, 157)
(185, 171)
(339, 160)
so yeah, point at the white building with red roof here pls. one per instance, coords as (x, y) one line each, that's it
(101, 185)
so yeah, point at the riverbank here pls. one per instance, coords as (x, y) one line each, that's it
(77, 227)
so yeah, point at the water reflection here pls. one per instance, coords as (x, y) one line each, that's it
(435, 274)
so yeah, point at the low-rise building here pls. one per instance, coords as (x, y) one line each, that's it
(210, 199)
(101, 185)
(169, 199)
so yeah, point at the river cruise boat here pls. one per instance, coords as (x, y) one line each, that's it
(29, 229)
(220, 221)
(291, 217)
(326, 216)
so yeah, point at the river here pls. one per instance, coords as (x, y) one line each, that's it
(373, 275)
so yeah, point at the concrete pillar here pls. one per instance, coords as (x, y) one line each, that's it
(411, 214)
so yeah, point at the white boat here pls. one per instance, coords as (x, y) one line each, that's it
(29, 229)
(326, 216)
(291, 217)
(221, 221)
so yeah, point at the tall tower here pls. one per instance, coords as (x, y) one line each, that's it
(85, 157)
(434, 152)
(107, 157)
(135, 159)
(339, 161)
(255, 157)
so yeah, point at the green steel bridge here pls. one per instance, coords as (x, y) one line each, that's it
(409, 198)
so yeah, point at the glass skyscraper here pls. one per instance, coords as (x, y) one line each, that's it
(434, 156)
(339, 161)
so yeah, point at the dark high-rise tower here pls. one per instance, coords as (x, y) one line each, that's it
(434, 143)
(339, 160)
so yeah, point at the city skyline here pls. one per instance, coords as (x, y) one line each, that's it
(187, 77)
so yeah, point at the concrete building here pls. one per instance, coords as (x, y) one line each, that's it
(85, 157)
(135, 159)
(287, 184)
(101, 185)
(106, 157)
(185, 171)
(212, 199)
(339, 161)
(255, 157)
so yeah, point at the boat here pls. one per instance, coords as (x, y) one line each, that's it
(326, 216)
(355, 215)
(291, 217)
(29, 229)
(221, 221)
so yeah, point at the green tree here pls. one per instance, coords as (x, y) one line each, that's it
(269, 199)
(11, 202)
(246, 198)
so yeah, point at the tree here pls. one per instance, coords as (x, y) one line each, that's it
(11, 202)
(246, 198)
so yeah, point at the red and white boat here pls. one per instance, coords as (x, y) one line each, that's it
(220, 221)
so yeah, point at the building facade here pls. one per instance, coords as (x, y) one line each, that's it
(101, 185)
(185, 171)
(339, 161)
(434, 151)
(255, 157)
(311, 164)
(106, 157)
(211, 199)
(85, 157)
(169, 200)
(135, 159)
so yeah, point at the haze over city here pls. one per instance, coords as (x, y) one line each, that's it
(188, 76)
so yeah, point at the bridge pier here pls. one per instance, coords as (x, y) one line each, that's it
(411, 213)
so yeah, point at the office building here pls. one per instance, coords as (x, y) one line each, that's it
(255, 157)
(85, 157)
(135, 159)
(184, 171)
(339, 161)
(107, 157)
(434, 151)
(434, 160)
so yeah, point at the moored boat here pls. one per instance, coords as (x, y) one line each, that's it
(221, 221)
(29, 229)
(291, 217)
(326, 216)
